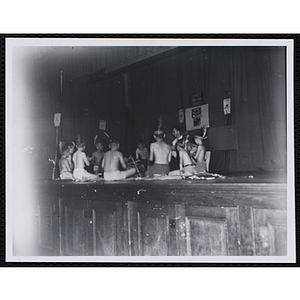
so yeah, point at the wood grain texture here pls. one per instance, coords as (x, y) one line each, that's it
(206, 236)
(270, 232)
(246, 230)
(46, 225)
(161, 219)
(153, 234)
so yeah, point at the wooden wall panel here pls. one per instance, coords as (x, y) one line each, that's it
(206, 236)
(75, 233)
(153, 231)
(105, 233)
(115, 223)
(233, 228)
(46, 225)
(247, 230)
(270, 232)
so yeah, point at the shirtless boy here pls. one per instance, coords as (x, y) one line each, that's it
(111, 161)
(71, 147)
(97, 157)
(186, 165)
(200, 154)
(80, 160)
(160, 155)
(64, 166)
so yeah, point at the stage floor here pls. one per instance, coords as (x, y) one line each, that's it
(228, 178)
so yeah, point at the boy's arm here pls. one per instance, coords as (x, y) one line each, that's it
(200, 153)
(137, 154)
(170, 154)
(67, 165)
(85, 159)
(197, 153)
(147, 155)
(64, 165)
(61, 165)
(180, 160)
(93, 158)
(151, 158)
(103, 162)
(121, 158)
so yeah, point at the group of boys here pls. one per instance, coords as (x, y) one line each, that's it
(157, 163)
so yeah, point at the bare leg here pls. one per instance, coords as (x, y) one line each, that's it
(130, 172)
(92, 177)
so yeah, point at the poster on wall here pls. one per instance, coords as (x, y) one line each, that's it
(102, 125)
(227, 106)
(181, 116)
(196, 117)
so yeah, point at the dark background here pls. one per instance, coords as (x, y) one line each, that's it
(132, 98)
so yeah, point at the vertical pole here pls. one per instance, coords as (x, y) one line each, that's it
(56, 154)
(58, 108)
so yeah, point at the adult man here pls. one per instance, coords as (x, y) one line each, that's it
(176, 132)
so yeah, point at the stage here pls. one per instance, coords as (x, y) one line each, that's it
(237, 215)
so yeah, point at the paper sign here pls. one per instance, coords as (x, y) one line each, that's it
(227, 106)
(57, 119)
(181, 116)
(102, 125)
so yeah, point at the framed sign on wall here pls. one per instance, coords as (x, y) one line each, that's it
(196, 117)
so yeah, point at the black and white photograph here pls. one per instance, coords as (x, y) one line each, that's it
(109, 160)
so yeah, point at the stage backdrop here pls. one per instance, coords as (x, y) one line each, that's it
(132, 100)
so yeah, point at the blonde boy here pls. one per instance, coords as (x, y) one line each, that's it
(80, 161)
(111, 161)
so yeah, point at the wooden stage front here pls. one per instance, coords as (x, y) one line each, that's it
(241, 215)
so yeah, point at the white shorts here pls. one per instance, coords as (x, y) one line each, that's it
(114, 175)
(82, 174)
(66, 175)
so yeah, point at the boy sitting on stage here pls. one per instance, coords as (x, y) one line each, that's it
(111, 161)
(97, 157)
(200, 154)
(64, 166)
(186, 165)
(71, 147)
(160, 155)
(80, 160)
(142, 155)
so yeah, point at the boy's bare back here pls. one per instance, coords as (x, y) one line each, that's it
(111, 161)
(64, 165)
(80, 160)
(200, 154)
(160, 152)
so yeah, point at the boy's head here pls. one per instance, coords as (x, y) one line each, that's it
(193, 148)
(65, 154)
(114, 144)
(64, 150)
(201, 134)
(71, 147)
(158, 135)
(81, 144)
(141, 145)
(99, 146)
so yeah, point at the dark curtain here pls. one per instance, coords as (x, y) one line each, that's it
(253, 77)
